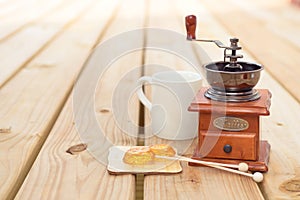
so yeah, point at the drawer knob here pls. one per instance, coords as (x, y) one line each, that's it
(227, 148)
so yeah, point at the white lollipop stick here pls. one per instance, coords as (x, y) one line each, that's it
(241, 167)
(257, 176)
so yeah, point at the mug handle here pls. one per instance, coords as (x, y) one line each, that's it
(145, 101)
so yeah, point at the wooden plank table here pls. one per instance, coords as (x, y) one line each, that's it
(49, 46)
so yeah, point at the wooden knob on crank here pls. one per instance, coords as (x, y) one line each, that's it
(190, 23)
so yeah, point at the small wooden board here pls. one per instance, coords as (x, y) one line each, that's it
(117, 166)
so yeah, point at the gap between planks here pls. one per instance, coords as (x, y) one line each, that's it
(193, 182)
(11, 66)
(103, 192)
(9, 191)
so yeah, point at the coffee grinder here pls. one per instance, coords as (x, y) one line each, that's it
(230, 109)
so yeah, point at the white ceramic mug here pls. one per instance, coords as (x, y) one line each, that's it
(172, 93)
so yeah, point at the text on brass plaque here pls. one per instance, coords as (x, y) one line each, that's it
(231, 124)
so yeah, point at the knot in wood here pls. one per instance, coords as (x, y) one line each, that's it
(76, 149)
(292, 185)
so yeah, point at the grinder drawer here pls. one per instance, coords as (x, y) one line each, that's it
(229, 145)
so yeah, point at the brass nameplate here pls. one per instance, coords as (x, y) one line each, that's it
(231, 123)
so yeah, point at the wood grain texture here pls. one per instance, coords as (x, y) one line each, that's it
(200, 183)
(43, 49)
(7, 8)
(282, 130)
(35, 36)
(81, 176)
(279, 17)
(32, 100)
(26, 14)
(194, 182)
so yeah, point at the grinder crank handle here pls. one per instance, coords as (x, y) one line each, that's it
(191, 24)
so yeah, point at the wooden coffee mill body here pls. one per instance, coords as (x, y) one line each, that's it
(230, 132)
(230, 110)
